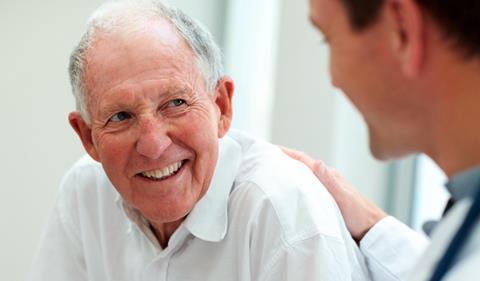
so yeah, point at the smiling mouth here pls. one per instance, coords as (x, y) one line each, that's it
(164, 173)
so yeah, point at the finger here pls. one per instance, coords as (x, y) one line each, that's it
(298, 155)
(319, 169)
(323, 173)
(295, 154)
(329, 179)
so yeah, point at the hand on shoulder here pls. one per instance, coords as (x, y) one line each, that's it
(359, 213)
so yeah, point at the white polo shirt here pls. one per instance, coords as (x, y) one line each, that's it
(264, 217)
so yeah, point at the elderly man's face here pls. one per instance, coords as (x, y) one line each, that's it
(154, 127)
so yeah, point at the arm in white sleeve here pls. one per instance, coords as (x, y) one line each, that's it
(60, 255)
(391, 249)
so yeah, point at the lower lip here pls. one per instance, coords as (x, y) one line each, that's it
(177, 173)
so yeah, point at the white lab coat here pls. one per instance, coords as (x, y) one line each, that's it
(393, 250)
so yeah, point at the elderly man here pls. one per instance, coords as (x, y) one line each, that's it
(171, 196)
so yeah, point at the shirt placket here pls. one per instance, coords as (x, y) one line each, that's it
(157, 269)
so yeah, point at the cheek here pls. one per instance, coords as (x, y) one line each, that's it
(200, 135)
(114, 150)
(349, 69)
(339, 69)
(333, 69)
(200, 125)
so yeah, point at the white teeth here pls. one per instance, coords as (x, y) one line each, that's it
(162, 173)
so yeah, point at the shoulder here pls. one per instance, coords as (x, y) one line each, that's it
(270, 182)
(85, 174)
(84, 186)
(84, 165)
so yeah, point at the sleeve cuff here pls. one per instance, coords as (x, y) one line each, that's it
(391, 249)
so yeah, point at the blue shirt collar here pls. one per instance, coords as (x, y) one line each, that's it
(464, 184)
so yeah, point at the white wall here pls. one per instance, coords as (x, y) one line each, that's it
(36, 143)
(250, 58)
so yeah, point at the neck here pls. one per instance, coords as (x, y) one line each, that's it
(164, 231)
(455, 114)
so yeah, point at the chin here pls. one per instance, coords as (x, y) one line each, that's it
(387, 151)
(380, 149)
(377, 153)
(380, 154)
(391, 144)
(165, 215)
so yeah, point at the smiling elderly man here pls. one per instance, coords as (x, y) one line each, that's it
(169, 195)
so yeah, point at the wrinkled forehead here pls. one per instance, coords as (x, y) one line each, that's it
(123, 53)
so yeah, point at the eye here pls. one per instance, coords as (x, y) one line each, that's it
(120, 116)
(176, 103)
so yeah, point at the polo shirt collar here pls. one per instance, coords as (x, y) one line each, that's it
(209, 218)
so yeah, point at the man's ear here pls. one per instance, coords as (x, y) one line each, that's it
(83, 131)
(407, 33)
(223, 99)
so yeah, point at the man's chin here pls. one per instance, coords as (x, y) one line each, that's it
(165, 216)
(377, 152)
(379, 147)
(383, 152)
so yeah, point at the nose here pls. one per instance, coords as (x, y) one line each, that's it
(153, 139)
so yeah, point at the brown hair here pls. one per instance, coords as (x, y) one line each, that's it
(458, 19)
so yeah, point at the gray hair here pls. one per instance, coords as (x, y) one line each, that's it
(125, 13)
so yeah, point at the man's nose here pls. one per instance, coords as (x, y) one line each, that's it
(153, 139)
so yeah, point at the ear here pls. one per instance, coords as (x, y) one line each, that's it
(223, 99)
(84, 131)
(407, 30)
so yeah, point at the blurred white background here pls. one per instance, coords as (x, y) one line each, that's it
(283, 94)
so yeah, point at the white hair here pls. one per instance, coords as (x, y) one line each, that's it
(133, 14)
